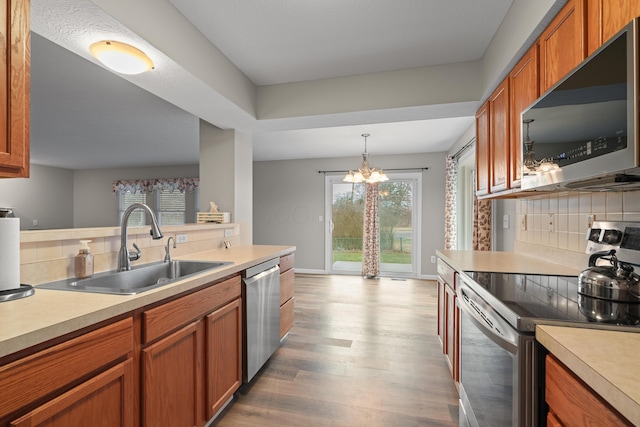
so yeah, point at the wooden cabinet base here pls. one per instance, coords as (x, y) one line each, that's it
(105, 400)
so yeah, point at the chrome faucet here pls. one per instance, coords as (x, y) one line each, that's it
(167, 249)
(125, 256)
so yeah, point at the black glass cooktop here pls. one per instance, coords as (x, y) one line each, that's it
(534, 298)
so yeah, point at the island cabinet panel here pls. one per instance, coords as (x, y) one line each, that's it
(524, 90)
(192, 355)
(40, 378)
(172, 380)
(483, 154)
(287, 290)
(606, 17)
(563, 44)
(174, 314)
(14, 97)
(223, 355)
(104, 400)
(449, 317)
(499, 137)
(573, 403)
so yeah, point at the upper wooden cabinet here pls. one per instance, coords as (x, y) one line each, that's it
(483, 168)
(14, 99)
(562, 45)
(607, 17)
(499, 145)
(524, 89)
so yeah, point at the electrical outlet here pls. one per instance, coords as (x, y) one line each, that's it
(181, 238)
(550, 223)
(590, 219)
(433, 259)
(35, 222)
(227, 233)
(523, 222)
(505, 221)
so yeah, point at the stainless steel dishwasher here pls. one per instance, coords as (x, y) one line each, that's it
(261, 292)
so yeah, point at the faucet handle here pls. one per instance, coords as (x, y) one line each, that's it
(135, 255)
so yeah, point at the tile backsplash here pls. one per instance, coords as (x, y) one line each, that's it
(560, 220)
(48, 255)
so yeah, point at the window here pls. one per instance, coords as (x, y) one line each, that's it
(175, 201)
(171, 207)
(137, 217)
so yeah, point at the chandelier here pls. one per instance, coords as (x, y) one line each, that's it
(530, 162)
(366, 173)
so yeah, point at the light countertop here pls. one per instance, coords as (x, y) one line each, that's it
(502, 262)
(51, 313)
(607, 361)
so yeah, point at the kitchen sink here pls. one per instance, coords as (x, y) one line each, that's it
(136, 280)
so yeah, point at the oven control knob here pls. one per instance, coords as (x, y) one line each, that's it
(611, 237)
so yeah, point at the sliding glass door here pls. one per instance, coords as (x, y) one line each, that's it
(398, 207)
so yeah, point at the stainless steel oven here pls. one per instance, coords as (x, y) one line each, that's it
(501, 365)
(498, 369)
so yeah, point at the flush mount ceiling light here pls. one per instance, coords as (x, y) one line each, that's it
(121, 57)
(366, 173)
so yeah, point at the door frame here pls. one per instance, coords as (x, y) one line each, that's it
(416, 267)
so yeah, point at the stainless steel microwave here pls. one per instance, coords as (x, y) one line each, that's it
(582, 134)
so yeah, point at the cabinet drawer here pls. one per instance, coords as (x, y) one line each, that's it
(111, 391)
(287, 285)
(446, 273)
(286, 262)
(161, 320)
(33, 377)
(573, 402)
(286, 317)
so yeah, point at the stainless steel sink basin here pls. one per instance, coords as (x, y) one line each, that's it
(136, 280)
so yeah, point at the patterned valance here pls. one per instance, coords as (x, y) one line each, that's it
(133, 186)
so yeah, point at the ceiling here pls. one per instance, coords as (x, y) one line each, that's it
(85, 117)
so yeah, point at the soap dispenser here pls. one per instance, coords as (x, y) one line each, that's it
(84, 261)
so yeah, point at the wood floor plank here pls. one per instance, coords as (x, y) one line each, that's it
(362, 352)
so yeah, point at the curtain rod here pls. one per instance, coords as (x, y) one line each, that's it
(385, 169)
(464, 148)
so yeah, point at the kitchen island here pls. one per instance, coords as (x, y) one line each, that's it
(606, 361)
(65, 353)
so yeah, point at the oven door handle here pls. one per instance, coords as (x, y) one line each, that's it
(491, 324)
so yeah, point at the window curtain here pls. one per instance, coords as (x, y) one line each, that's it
(450, 214)
(371, 233)
(481, 224)
(148, 186)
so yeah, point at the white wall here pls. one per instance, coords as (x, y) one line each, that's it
(289, 198)
(46, 197)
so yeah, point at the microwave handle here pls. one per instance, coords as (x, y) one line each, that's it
(508, 340)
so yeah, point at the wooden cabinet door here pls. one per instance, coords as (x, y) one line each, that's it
(286, 316)
(452, 333)
(442, 314)
(223, 355)
(562, 45)
(524, 89)
(606, 17)
(105, 400)
(483, 168)
(499, 137)
(14, 97)
(573, 403)
(172, 369)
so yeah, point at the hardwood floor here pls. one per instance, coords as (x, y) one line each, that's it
(362, 352)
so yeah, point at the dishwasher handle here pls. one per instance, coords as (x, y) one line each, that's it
(259, 268)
